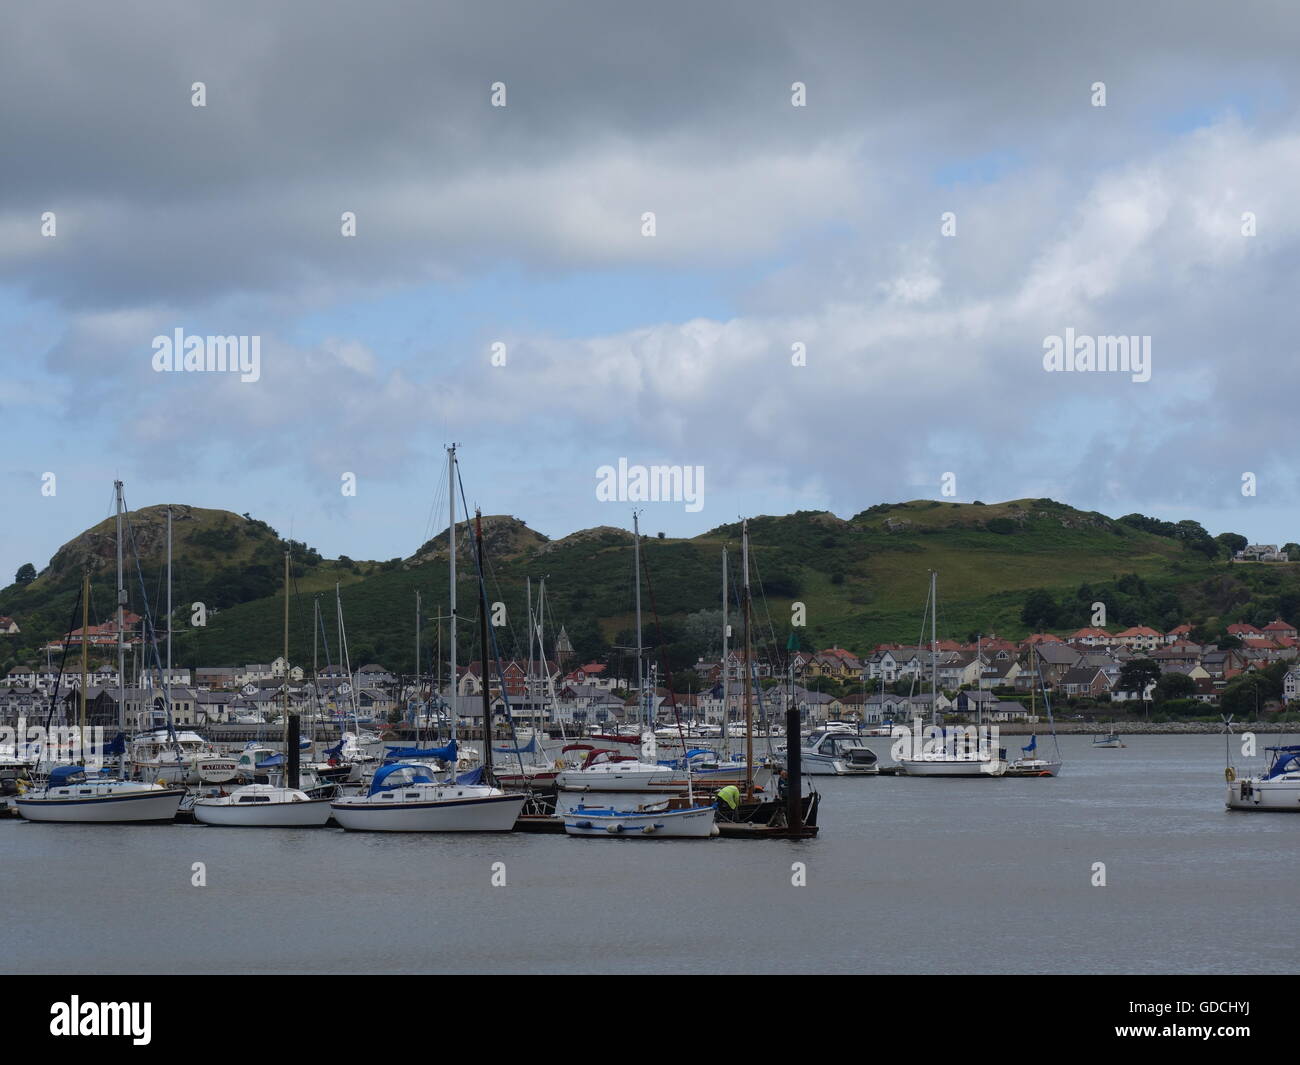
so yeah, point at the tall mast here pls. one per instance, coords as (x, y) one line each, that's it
(417, 657)
(934, 648)
(979, 678)
(483, 638)
(85, 652)
(749, 706)
(451, 563)
(530, 686)
(286, 662)
(726, 732)
(636, 565)
(121, 617)
(169, 597)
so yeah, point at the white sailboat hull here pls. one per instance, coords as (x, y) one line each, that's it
(1256, 794)
(924, 767)
(493, 813)
(630, 780)
(158, 804)
(282, 808)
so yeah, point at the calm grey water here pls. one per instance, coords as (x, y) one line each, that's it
(908, 876)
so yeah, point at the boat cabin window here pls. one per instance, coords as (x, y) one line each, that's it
(412, 794)
(87, 791)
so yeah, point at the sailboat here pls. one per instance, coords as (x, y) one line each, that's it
(270, 805)
(1029, 764)
(948, 753)
(406, 798)
(72, 794)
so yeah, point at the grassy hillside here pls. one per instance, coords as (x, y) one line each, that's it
(862, 580)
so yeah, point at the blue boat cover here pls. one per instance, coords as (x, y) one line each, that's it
(443, 754)
(377, 783)
(473, 776)
(66, 774)
(529, 748)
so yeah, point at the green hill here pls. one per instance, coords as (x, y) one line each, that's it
(1004, 568)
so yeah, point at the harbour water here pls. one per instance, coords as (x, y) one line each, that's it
(907, 876)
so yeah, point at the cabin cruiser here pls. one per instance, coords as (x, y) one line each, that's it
(607, 770)
(836, 752)
(1278, 788)
(406, 798)
(179, 756)
(71, 795)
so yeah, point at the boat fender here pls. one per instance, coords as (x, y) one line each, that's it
(1229, 774)
(559, 763)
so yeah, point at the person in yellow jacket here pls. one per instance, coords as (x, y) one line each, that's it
(728, 798)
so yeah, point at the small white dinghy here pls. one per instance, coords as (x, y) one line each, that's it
(263, 806)
(670, 819)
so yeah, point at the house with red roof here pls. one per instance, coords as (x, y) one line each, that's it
(1278, 628)
(1140, 637)
(1092, 637)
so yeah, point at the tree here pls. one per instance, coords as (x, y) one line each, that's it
(1174, 686)
(26, 574)
(1234, 542)
(1040, 610)
(1138, 674)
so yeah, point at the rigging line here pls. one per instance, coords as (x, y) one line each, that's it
(58, 680)
(668, 672)
(505, 697)
(149, 626)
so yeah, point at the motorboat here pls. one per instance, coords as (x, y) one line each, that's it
(607, 770)
(263, 806)
(407, 798)
(669, 819)
(71, 795)
(836, 752)
(179, 756)
(1278, 788)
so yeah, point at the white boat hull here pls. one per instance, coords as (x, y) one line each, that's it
(1256, 794)
(155, 805)
(1033, 767)
(495, 813)
(284, 808)
(692, 823)
(630, 780)
(924, 767)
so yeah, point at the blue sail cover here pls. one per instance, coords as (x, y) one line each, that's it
(1033, 745)
(443, 754)
(474, 776)
(115, 746)
(272, 762)
(529, 748)
(418, 776)
(1286, 760)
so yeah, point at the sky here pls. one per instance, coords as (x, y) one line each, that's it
(946, 196)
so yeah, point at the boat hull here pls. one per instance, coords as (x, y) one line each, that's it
(311, 813)
(495, 813)
(921, 767)
(1035, 767)
(1255, 794)
(693, 823)
(157, 806)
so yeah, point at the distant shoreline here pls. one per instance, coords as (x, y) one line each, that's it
(1147, 728)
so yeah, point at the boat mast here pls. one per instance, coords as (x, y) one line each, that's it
(121, 619)
(417, 659)
(286, 668)
(636, 566)
(169, 598)
(483, 638)
(85, 651)
(451, 579)
(934, 648)
(726, 730)
(749, 707)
